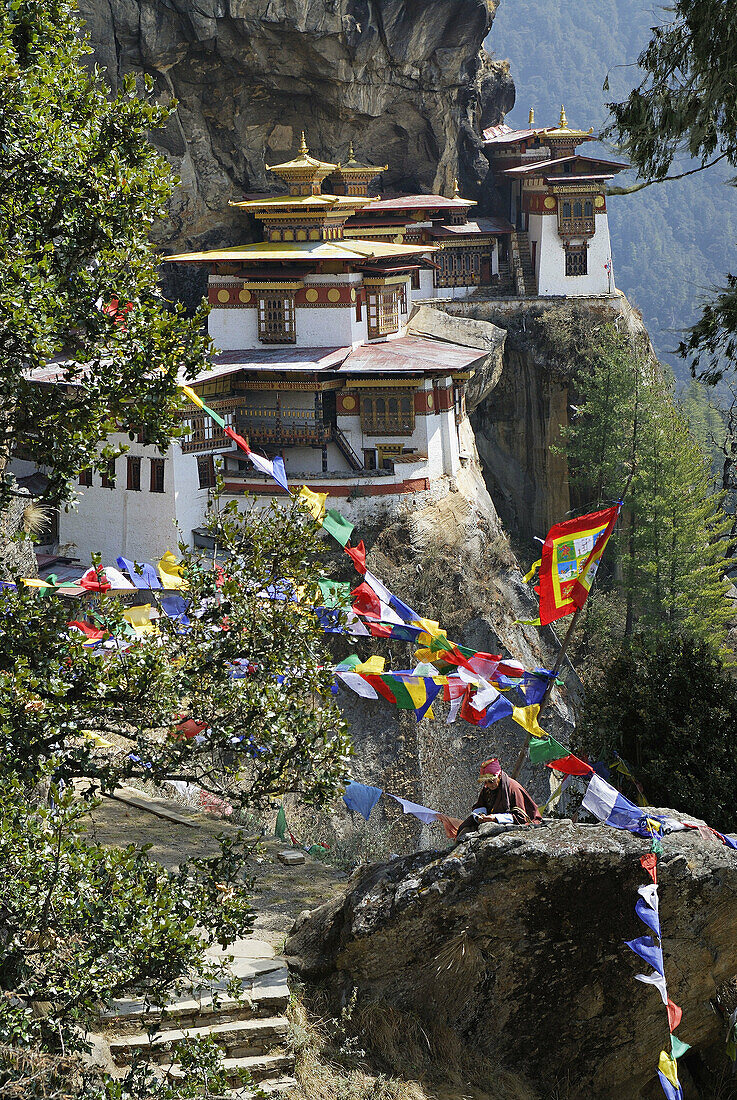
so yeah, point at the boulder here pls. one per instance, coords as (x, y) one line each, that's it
(517, 938)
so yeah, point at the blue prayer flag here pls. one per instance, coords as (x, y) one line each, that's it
(649, 952)
(362, 798)
(670, 1091)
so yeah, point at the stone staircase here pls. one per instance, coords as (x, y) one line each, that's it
(522, 264)
(252, 1030)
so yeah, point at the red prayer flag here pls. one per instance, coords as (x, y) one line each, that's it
(570, 557)
(358, 554)
(650, 864)
(237, 439)
(379, 685)
(571, 765)
(675, 1015)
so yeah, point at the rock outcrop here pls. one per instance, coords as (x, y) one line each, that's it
(515, 938)
(408, 83)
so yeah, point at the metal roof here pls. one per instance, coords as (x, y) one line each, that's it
(536, 168)
(274, 359)
(410, 355)
(417, 202)
(483, 226)
(301, 250)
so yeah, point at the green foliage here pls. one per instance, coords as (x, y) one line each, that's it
(84, 925)
(670, 546)
(264, 734)
(80, 188)
(667, 705)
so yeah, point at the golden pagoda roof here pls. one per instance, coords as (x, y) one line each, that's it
(303, 162)
(354, 167)
(303, 250)
(314, 202)
(563, 130)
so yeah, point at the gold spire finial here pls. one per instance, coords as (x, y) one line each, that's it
(303, 147)
(351, 154)
(456, 190)
(531, 120)
(563, 119)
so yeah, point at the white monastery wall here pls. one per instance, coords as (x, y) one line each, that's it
(550, 262)
(190, 500)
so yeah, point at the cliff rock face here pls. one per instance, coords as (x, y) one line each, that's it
(515, 939)
(406, 81)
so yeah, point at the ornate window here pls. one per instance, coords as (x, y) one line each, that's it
(576, 217)
(382, 304)
(85, 477)
(276, 318)
(388, 413)
(588, 208)
(458, 267)
(576, 261)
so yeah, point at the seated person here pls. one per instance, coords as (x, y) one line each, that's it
(501, 799)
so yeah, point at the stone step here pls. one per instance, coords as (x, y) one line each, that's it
(265, 992)
(270, 1087)
(262, 1067)
(238, 1038)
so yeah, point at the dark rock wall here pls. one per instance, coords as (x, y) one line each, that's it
(405, 80)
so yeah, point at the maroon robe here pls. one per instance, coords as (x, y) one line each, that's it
(510, 797)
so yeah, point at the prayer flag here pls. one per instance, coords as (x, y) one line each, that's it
(362, 798)
(170, 571)
(357, 683)
(405, 612)
(367, 603)
(94, 580)
(658, 981)
(649, 863)
(142, 574)
(672, 1092)
(315, 502)
(424, 691)
(280, 829)
(139, 618)
(527, 718)
(569, 765)
(374, 665)
(117, 580)
(570, 558)
(543, 749)
(337, 526)
(422, 813)
(668, 1067)
(678, 1047)
(648, 951)
(675, 1015)
(334, 593)
(358, 556)
(273, 467)
(608, 805)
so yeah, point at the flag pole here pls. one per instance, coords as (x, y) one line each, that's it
(549, 689)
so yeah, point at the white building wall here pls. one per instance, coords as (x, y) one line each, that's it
(550, 263)
(121, 521)
(190, 501)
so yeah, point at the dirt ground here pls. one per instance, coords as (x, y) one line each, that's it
(280, 893)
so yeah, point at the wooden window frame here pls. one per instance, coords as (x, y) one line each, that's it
(388, 412)
(85, 478)
(458, 267)
(277, 318)
(382, 311)
(577, 261)
(206, 466)
(108, 478)
(157, 475)
(133, 473)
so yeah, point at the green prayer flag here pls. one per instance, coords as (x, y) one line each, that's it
(280, 829)
(349, 662)
(678, 1047)
(337, 526)
(543, 749)
(335, 593)
(402, 696)
(218, 419)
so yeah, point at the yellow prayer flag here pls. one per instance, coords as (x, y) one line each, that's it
(669, 1068)
(314, 501)
(374, 666)
(35, 582)
(533, 569)
(193, 396)
(139, 618)
(170, 571)
(431, 629)
(527, 718)
(90, 735)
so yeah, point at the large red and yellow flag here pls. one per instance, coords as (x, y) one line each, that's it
(569, 561)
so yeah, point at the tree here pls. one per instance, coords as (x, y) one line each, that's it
(670, 548)
(667, 705)
(685, 105)
(80, 188)
(247, 668)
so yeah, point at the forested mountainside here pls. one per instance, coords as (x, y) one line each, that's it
(669, 241)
